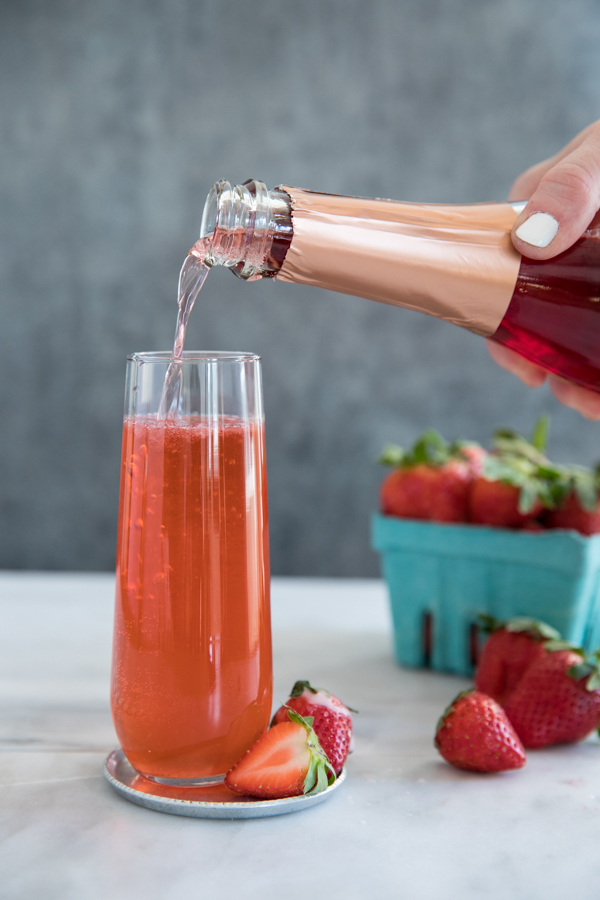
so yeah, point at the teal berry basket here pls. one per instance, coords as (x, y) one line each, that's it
(440, 577)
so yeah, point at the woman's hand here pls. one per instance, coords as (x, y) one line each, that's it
(564, 194)
(585, 402)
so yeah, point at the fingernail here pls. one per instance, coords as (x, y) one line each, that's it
(538, 230)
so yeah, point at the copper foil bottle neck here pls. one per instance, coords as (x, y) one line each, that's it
(453, 262)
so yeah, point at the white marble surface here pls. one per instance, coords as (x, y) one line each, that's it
(405, 825)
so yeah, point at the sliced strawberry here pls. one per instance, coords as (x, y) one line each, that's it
(332, 721)
(557, 700)
(286, 761)
(507, 654)
(475, 734)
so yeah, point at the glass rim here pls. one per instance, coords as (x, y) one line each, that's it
(166, 356)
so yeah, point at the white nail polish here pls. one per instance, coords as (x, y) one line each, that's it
(538, 230)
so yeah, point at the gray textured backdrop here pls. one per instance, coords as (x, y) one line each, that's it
(115, 120)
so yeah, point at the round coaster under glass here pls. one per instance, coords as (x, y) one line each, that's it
(211, 802)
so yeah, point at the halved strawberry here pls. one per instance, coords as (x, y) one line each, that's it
(286, 761)
(332, 721)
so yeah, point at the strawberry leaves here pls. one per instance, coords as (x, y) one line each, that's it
(588, 668)
(430, 449)
(524, 465)
(535, 628)
(300, 687)
(320, 771)
(391, 455)
(585, 484)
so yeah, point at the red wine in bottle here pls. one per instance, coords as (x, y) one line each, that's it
(553, 318)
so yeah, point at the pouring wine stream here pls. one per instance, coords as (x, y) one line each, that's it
(191, 278)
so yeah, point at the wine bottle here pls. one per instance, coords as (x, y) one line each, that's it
(452, 261)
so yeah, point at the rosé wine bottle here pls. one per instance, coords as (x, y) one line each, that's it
(455, 262)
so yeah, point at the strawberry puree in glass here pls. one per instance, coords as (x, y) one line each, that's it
(191, 683)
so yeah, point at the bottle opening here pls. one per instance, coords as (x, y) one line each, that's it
(246, 228)
(210, 213)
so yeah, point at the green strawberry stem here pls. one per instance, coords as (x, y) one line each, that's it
(320, 771)
(300, 687)
(488, 623)
(535, 628)
(539, 437)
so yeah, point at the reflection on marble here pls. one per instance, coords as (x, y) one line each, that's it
(405, 825)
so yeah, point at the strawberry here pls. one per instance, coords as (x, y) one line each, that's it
(475, 734)
(514, 486)
(508, 652)
(423, 492)
(496, 503)
(573, 516)
(286, 761)
(517, 482)
(332, 721)
(580, 509)
(557, 700)
(430, 481)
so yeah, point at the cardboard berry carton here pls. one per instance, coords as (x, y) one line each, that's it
(440, 577)
(530, 560)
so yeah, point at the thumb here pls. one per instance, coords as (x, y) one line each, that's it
(563, 204)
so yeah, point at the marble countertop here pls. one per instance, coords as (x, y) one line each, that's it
(404, 825)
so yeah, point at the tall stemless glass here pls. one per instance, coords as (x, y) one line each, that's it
(192, 670)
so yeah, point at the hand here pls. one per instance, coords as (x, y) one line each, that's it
(564, 194)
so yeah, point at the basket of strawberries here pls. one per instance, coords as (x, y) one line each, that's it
(464, 531)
